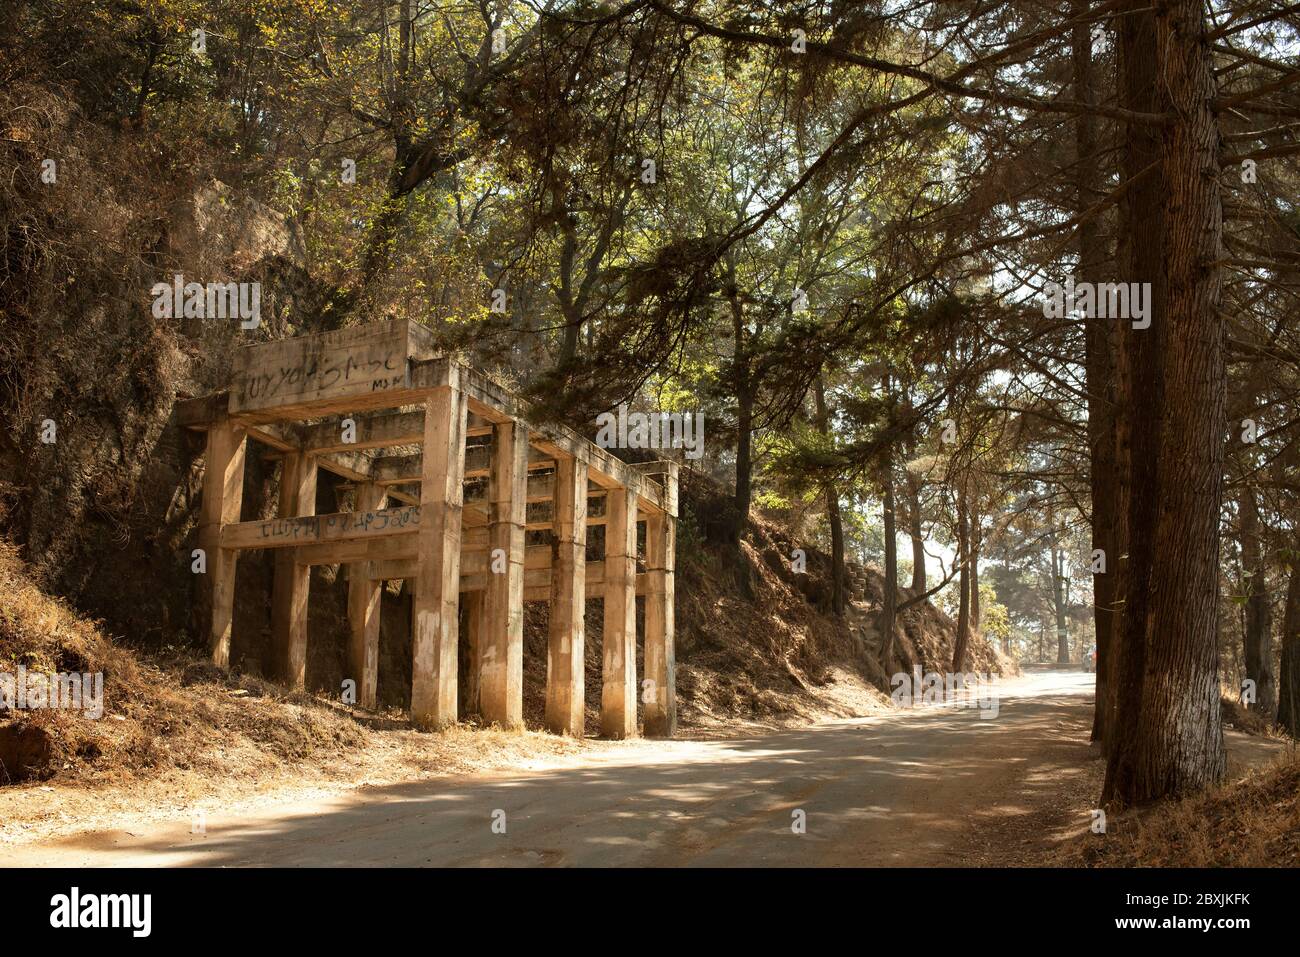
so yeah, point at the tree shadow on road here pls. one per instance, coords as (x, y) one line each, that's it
(910, 789)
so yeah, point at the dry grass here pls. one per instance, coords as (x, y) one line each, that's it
(177, 713)
(768, 658)
(38, 812)
(169, 712)
(772, 658)
(1252, 822)
(177, 734)
(1237, 718)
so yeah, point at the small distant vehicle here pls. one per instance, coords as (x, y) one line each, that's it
(1090, 659)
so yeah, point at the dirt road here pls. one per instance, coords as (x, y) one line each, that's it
(932, 786)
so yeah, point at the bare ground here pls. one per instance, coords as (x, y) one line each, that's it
(238, 778)
(931, 786)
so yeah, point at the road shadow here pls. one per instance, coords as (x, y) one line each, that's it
(902, 790)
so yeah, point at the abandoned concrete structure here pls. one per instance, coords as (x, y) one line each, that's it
(453, 518)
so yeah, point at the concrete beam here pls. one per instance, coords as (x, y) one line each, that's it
(361, 367)
(320, 529)
(372, 431)
(488, 400)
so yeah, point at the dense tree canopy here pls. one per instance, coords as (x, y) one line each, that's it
(845, 232)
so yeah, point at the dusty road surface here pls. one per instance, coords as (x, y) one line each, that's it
(929, 786)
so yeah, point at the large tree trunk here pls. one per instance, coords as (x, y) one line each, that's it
(976, 543)
(839, 593)
(1257, 646)
(1099, 371)
(1288, 701)
(1137, 371)
(1058, 605)
(914, 530)
(890, 603)
(839, 587)
(744, 418)
(1168, 737)
(744, 465)
(963, 588)
(567, 295)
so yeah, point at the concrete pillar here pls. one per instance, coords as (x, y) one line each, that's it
(471, 669)
(618, 659)
(660, 695)
(502, 642)
(223, 496)
(565, 642)
(363, 611)
(436, 598)
(290, 591)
